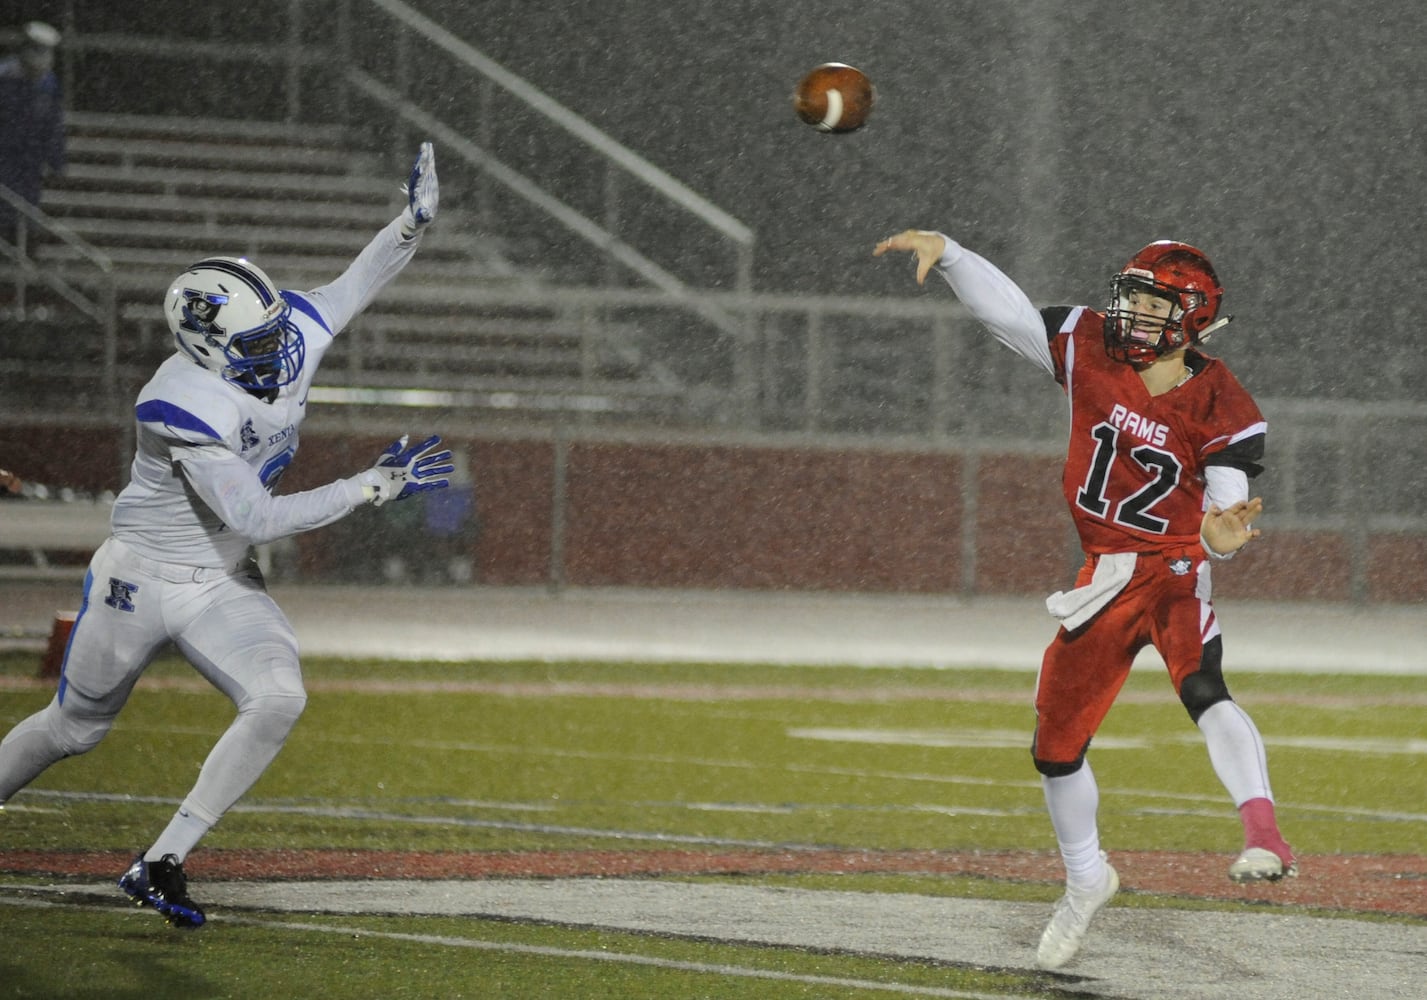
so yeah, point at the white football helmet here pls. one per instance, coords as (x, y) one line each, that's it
(227, 315)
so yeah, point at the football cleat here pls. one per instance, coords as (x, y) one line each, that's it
(162, 885)
(1259, 864)
(1071, 920)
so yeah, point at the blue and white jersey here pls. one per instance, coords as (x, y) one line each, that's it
(209, 454)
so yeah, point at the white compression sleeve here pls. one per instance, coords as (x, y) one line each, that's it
(1073, 801)
(232, 489)
(997, 301)
(380, 261)
(1237, 752)
(1224, 486)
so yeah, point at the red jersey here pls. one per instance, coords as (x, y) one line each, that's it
(1134, 468)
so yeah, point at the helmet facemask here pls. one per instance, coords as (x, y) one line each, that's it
(1145, 320)
(266, 358)
(1165, 299)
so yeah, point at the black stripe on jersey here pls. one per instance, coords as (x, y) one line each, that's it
(1054, 317)
(1243, 455)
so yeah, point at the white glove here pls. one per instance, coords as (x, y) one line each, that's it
(422, 193)
(401, 472)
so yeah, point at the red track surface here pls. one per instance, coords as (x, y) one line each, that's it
(1394, 884)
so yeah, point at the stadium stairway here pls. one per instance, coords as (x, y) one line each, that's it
(461, 328)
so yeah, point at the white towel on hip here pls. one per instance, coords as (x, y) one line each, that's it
(1076, 607)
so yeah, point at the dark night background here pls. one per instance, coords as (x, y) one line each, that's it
(1285, 139)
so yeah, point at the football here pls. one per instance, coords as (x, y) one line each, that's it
(834, 97)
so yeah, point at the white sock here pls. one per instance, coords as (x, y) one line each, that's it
(1073, 801)
(181, 835)
(1236, 750)
(234, 764)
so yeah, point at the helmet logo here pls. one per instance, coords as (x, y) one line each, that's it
(200, 311)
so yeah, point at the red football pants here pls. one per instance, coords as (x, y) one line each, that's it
(1166, 603)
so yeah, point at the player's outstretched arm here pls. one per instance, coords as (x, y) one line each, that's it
(927, 245)
(1226, 530)
(232, 490)
(404, 471)
(992, 297)
(339, 301)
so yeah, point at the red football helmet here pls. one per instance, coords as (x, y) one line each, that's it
(1169, 270)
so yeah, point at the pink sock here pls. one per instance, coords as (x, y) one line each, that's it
(1261, 828)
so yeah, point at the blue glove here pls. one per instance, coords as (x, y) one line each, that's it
(402, 471)
(422, 193)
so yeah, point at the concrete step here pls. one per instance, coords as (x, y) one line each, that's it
(102, 203)
(125, 152)
(88, 123)
(231, 239)
(142, 269)
(238, 183)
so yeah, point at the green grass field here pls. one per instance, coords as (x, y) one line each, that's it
(519, 757)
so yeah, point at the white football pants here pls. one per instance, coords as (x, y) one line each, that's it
(222, 621)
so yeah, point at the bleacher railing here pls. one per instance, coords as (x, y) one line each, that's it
(21, 274)
(397, 75)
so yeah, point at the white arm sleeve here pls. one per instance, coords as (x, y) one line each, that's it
(1224, 486)
(373, 269)
(232, 490)
(997, 301)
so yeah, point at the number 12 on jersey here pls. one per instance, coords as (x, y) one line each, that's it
(1097, 495)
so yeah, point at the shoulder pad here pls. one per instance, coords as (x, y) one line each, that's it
(1060, 319)
(184, 402)
(303, 306)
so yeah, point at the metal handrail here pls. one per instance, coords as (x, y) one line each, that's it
(732, 322)
(104, 312)
(578, 127)
(452, 141)
(88, 250)
(610, 150)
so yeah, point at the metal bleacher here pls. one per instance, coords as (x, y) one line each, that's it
(152, 193)
(541, 297)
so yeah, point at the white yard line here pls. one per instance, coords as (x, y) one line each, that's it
(1131, 953)
(579, 954)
